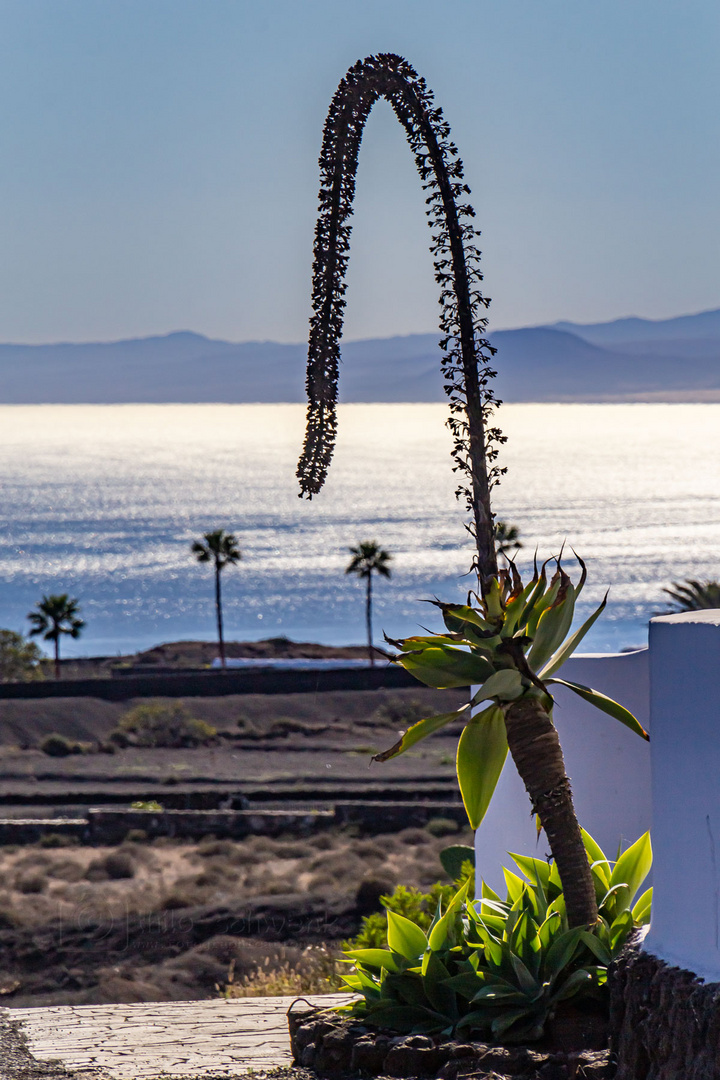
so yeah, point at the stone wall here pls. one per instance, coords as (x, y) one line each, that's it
(664, 1022)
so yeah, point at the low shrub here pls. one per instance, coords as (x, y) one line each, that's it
(57, 840)
(159, 724)
(56, 745)
(371, 890)
(31, 883)
(20, 659)
(119, 865)
(66, 870)
(399, 712)
(442, 826)
(136, 836)
(413, 836)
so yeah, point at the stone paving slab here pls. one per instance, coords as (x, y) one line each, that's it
(177, 1038)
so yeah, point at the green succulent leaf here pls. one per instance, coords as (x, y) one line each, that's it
(405, 937)
(481, 753)
(576, 982)
(418, 732)
(596, 855)
(604, 704)
(641, 910)
(453, 857)
(630, 871)
(568, 648)
(444, 667)
(377, 958)
(504, 685)
(552, 629)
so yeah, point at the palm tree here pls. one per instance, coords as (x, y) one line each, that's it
(507, 537)
(219, 548)
(56, 615)
(368, 558)
(694, 595)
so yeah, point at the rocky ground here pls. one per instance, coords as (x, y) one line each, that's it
(177, 921)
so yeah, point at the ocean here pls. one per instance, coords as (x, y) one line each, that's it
(103, 502)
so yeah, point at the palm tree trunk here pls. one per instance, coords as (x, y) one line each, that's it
(57, 657)
(368, 619)
(218, 610)
(535, 749)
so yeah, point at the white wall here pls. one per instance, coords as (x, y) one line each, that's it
(608, 766)
(685, 751)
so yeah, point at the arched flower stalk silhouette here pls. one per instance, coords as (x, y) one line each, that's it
(513, 638)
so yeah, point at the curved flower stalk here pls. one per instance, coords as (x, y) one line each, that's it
(510, 644)
(466, 354)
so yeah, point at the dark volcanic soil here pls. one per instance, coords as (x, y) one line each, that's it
(173, 921)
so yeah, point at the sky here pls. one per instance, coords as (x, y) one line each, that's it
(159, 162)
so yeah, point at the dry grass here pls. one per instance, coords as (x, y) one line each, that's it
(317, 971)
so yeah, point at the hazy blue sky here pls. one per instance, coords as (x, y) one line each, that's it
(159, 161)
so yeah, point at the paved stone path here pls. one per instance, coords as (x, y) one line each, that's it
(178, 1038)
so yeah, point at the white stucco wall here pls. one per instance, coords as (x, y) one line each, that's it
(608, 765)
(685, 751)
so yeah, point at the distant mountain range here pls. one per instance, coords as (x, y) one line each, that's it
(626, 360)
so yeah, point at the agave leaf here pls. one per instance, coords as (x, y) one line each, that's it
(453, 857)
(605, 704)
(549, 929)
(481, 753)
(479, 1019)
(542, 604)
(619, 931)
(552, 629)
(560, 953)
(516, 609)
(419, 731)
(596, 855)
(455, 615)
(575, 983)
(515, 885)
(631, 869)
(439, 932)
(539, 584)
(504, 685)
(419, 642)
(500, 994)
(568, 648)
(466, 984)
(487, 893)
(493, 905)
(405, 937)
(441, 996)
(595, 946)
(535, 870)
(444, 667)
(379, 958)
(507, 1018)
(641, 911)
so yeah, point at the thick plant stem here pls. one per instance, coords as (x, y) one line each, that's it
(218, 613)
(535, 748)
(368, 619)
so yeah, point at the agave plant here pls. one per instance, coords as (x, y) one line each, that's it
(510, 644)
(500, 968)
